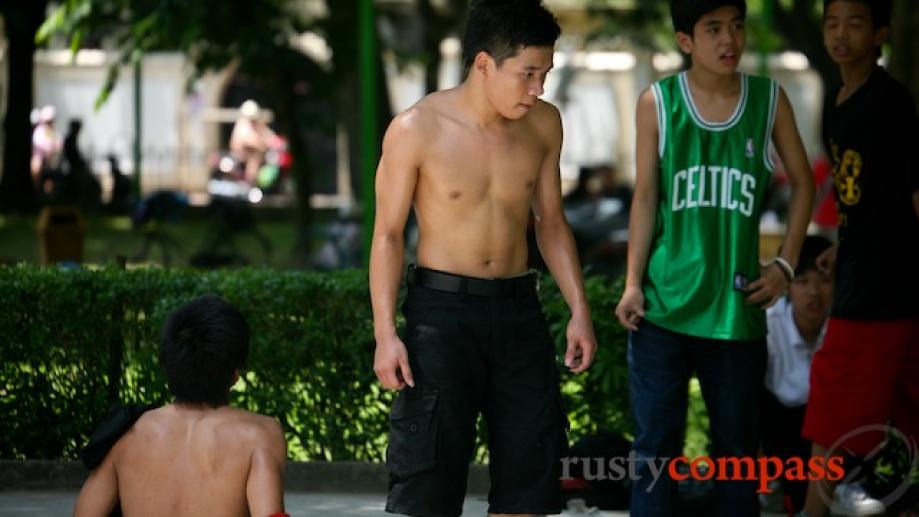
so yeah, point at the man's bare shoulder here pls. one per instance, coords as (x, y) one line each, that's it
(427, 116)
(647, 99)
(253, 431)
(240, 426)
(546, 120)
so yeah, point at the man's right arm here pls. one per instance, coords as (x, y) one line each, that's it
(99, 494)
(643, 214)
(396, 177)
(265, 482)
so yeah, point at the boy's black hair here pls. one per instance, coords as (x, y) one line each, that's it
(204, 343)
(685, 13)
(811, 249)
(502, 27)
(880, 11)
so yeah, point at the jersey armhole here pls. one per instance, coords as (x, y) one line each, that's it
(661, 124)
(770, 125)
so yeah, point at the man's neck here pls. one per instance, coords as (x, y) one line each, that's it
(476, 106)
(708, 83)
(809, 330)
(854, 75)
(191, 408)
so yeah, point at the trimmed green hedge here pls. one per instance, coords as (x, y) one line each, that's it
(75, 341)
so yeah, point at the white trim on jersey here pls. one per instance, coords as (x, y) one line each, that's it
(770, 125)
(661, 121)
(714, 126)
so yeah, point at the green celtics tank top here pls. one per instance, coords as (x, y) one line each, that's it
(713, 177)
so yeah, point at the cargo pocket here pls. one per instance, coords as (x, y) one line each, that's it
(412, 434)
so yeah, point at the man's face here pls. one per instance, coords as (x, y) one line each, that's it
(513, 86)
(811, 295)
(848, 32)
(717, 41)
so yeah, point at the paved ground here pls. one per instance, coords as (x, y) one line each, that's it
(59, 504)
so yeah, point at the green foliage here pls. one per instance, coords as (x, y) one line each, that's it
(310, 361)
(599, 398)
(212, 34)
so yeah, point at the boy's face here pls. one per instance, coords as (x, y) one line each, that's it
(811, 294)
(717, 41)
(848, 32)
(513, 86)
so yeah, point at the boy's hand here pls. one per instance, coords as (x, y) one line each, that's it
(390, 363)
(826, 262)
(582, 345)
(631, 308)
(768, 288)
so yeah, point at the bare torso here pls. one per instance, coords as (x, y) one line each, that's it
(179, 462)
(475, 187)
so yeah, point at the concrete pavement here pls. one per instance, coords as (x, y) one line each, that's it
(60, 504)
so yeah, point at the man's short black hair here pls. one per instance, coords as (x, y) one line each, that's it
(502, 27)
(685, 13)
(811, 249)
(880, 11)
(204, 343)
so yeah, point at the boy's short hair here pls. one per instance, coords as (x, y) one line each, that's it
(811, 249)
(685, 13)
(880, 11)
(204, 343)
(502, 27)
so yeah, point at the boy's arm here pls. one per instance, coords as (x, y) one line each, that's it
(556, 244)
(265, 483)
(643, 215)
(911, 136)
(773, 282)
(99, 494)
(396, 177)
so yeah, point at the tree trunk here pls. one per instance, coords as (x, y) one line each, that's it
(904, 61)
(302, 167)
(22, 20)
(431, 43)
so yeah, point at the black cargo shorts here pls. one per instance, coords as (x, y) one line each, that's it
(476, 346)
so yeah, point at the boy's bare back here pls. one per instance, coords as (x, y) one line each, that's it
(183, 460)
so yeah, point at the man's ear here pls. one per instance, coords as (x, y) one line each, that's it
(880, 36)
(482, 62)
(684, 42)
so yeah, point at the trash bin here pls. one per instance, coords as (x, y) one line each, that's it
(60, 234)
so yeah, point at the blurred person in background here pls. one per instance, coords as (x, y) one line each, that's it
(251, 139)
(46, 144)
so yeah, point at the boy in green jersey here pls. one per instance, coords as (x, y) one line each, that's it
(695, 291)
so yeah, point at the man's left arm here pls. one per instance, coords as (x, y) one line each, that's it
(99, 494)
(556, 243)
(910, 135)
(772, 283)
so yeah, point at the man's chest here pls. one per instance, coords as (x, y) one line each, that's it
(474, 168)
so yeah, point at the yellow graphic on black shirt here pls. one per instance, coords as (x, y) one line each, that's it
(846, 175)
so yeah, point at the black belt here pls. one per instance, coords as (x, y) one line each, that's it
(518, 286)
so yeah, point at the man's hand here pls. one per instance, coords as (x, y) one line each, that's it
(582, 345)
(390, 362)
(631, 308)
(768, 288)
(826, 262)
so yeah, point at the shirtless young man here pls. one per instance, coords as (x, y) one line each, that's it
(196, 456)
(474, 161)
